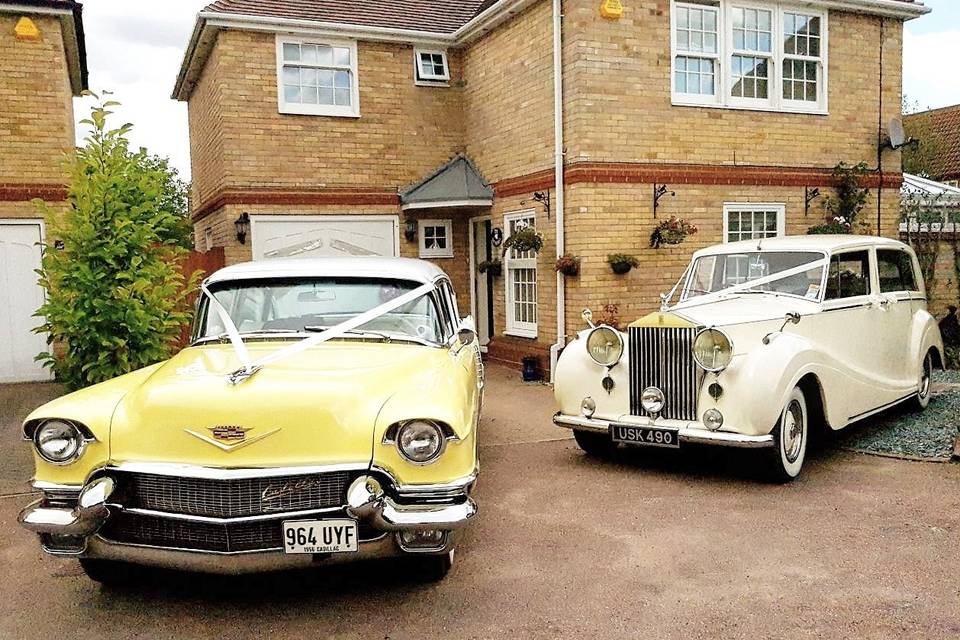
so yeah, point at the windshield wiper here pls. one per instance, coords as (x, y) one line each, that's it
(357, 332)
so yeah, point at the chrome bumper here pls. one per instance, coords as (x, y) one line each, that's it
(686, 432)
(366, 501)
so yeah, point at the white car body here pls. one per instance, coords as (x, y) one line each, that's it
(852, 356)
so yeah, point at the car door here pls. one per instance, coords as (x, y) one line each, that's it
(898, 291)
(851, 330)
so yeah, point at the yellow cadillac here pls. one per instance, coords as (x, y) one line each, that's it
(326, 410)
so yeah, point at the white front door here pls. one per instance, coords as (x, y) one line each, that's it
(481, 288)
(296, 236)
(20, 297)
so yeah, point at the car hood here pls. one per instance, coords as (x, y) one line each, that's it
(316, 407)
(742, 309)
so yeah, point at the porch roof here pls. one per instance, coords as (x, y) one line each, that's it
(458, 183)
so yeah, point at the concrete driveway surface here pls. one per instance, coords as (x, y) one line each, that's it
(642, 546)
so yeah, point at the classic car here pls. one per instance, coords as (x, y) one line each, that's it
(325, 410)
(759, 342)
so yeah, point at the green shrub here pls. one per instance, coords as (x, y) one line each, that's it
(115, 295)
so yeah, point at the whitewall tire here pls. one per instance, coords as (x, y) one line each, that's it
(790, 437)
(925, 383)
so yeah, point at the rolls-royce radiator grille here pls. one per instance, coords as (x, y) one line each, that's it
(234, 498)
(259, 535)
(663, 358)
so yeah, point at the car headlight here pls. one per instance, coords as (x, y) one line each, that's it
(58, 441)
(713, 350)
(605, 346)
(420, 441)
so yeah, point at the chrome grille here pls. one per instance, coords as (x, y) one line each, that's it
(662, 357)
(260, 535)
(234, 498)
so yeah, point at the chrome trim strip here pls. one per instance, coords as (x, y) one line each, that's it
(225, 473)
(889, 405)
(455, 488)
(685, 432)
(279, 515)
(70, 490)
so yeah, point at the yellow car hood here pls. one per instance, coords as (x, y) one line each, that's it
(316, 407)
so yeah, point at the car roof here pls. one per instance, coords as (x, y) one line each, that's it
(829, 243)
(346, 267)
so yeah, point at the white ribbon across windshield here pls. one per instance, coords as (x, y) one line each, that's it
(333, 332)
(759, 282)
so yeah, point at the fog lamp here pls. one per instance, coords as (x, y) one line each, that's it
(588, 407)
(712, 419)
(652, 400)
(428, 539)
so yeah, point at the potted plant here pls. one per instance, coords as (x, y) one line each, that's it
(622, 263)
(493, 267)
(531, 369)
(523, 240)
(568, 265)
(672, 231)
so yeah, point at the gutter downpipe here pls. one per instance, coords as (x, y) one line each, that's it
(558, 174)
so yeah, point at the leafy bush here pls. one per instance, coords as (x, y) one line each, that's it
(835, 226)
(843, 208)
(116, 298)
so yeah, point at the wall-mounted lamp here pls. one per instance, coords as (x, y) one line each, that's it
(543, 197)
(410, 229)
(660, 190)
(809, 195)
(242, 225)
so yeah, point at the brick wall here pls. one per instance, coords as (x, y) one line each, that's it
(36, 115)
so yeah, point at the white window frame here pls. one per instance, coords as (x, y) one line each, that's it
(723, 83)
(430, 80)
(342, 111)
(754, 207)
(516, 327)
(447, 226)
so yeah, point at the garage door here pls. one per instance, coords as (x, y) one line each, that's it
(20, 297)
(296, 236)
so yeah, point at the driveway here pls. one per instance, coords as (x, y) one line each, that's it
(643, 546)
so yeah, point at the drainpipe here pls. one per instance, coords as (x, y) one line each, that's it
(558, 173)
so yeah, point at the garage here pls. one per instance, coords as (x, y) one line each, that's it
(298, 236)
(20, 297)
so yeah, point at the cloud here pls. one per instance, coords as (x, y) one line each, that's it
(930, 67)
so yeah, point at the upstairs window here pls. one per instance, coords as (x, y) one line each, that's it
(749, 55)
(317, 78)
(431, 67)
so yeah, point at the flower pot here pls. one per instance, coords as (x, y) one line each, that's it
(531, 369)
(621, 268)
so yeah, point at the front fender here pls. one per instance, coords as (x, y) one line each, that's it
(926, 336)
(447, 394)
(94, 408)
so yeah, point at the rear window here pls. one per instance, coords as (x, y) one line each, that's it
(895, 270)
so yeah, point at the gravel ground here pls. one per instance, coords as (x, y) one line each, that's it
(948, 377)
(930, 434)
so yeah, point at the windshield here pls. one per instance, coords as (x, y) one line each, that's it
(310, 305)
(716, 273)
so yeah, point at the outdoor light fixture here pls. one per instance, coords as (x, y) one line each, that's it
(243, 227)
(410, 230)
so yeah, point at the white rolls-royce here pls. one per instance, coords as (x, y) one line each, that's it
(767, 338)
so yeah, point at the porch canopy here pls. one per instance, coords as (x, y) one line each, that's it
(458, 183)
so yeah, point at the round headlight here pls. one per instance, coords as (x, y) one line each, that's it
(58, 441)
(652, 400)
(420, 441)
(605, 346)
(713, 350)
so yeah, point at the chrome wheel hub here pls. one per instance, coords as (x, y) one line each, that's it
(925, 377)
(793, 431)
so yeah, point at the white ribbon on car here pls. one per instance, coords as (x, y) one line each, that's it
(752, 284)
(249, 368)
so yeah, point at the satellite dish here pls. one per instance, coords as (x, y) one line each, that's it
(898, 137)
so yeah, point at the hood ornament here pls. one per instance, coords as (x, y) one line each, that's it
(229, 437)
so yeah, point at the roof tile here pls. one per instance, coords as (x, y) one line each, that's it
(944, 125)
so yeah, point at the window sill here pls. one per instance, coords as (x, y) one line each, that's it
(434, 256)
(432, 83)
(519, 333)
(679, 102)
(304, 110)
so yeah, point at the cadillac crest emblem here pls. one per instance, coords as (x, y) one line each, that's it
(229, 437)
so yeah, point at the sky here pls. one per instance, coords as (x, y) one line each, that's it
(135, 49)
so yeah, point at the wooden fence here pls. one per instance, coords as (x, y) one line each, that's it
(206, 263)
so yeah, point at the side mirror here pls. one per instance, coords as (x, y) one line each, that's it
(792, 317)
(467, 332)
(587, 316)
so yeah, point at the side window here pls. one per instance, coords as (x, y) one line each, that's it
(895, 269)
(849, 275)
(447, 322)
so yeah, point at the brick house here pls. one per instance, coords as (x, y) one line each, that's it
(42, 67)
(943, 125)
(419, 128)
